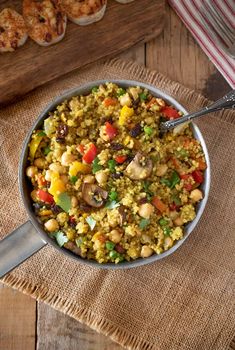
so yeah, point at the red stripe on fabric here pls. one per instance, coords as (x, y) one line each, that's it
(199, 39)
(205, 32)
(218, 4)
(229, 6)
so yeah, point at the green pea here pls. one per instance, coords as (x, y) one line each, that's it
(109, 245)
(94, 89)
(143, 96)
(73, 179)
(167, 231)
(163, 222)
(113, 195)
(148, 130)
(113, 254)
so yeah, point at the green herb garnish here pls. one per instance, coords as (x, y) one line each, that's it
(91, 222)
(112, 164)
(143, 96)
(46, 150)
(182, 153)
(144, 223)
(73, 179)
(41, 133)
(64, 201)
(174, 180)
(96, 165)
(113, 195)
(176, 199)
(109, 245)
(61, 239)
(121, 92)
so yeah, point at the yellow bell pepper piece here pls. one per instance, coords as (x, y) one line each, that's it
(57, 185)
(33, 146)
(125, 114)
(78, 167)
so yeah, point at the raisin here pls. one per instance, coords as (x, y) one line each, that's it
(136, 131)
(61, 133)
(116, 146)
(48, 37)
(117, 175)
(56, 209)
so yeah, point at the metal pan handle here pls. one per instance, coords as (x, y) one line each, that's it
(19, 246)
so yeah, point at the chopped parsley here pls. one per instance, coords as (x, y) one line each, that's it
(96, 165)
(144, 223)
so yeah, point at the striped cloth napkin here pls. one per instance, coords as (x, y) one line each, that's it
(190, 13)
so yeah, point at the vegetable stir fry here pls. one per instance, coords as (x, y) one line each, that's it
(105, 183)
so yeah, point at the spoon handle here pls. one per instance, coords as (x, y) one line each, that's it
(225, 102)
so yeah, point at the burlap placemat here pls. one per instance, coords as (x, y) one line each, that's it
(183, 302)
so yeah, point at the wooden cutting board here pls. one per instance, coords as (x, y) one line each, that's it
(122, 27)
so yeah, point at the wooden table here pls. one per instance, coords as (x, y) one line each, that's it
(26, 324)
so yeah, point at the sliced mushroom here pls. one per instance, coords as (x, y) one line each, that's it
(140, 168)
(74, 248)
(123, 211)
(94, 195)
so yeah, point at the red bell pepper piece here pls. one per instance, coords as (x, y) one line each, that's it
(198, 176)
(111, 131)
(90, 154)
(170, 113)
(108, 101)
(120, 159)
(162, 207)
(187, 184)
(45, 196)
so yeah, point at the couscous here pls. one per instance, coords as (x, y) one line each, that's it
(106, 184)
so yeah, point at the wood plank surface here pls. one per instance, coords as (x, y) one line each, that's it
(121, 28)
(175, 54)
(17, 320)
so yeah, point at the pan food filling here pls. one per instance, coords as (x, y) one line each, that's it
(105, 183)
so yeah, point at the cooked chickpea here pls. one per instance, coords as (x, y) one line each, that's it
(173, 214)
(56, 167)
(74, 201)
(115, 236)
(101, 177)
(89, 179)
(64, 178)
(168, 243)
(125, 100)
(196, 195)
(146, 210)
(178, 221)
(67, 158)
(51, 225)
(48, 175)
(146, 251)
(31, 171)
(40, 163)
(161, 170)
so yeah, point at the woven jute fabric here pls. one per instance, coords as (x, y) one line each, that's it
(186, 301)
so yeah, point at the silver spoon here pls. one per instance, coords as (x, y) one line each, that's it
(225, 102)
